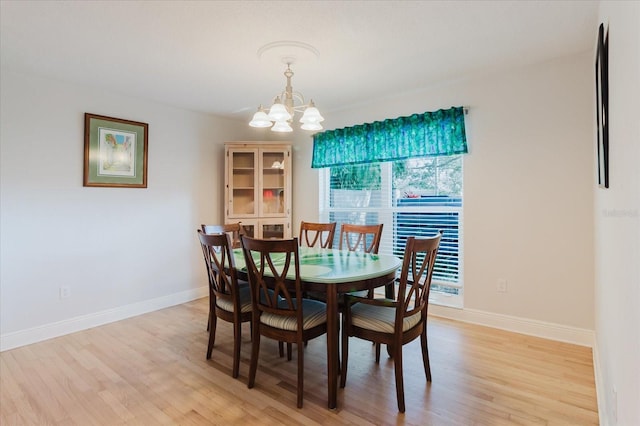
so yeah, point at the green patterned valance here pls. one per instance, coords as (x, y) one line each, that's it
(419, 135)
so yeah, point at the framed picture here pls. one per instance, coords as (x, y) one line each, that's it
(115, 152)
(602, 106)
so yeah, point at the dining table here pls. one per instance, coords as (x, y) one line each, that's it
(336, 272)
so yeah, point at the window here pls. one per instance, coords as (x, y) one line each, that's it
(416, 196)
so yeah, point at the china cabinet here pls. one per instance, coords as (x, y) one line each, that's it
(258, 188)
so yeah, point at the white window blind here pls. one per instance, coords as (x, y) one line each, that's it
(414, 197)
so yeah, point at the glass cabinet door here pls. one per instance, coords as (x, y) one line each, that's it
(242, 181)
(250, 228)
(266, 228)
(257, 188)
(273, 229)
(273, 183)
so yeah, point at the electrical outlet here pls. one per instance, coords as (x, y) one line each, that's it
(502, 285)
(65, 292)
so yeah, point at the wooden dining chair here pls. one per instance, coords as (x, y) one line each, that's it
(365, 238)
(279, 310)
(227, 299)
(360, 237)
(395, 322)
(235, 230)
(317, 234)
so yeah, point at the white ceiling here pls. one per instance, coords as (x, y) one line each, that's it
(202, 55)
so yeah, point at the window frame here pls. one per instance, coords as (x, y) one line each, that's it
(386, 214)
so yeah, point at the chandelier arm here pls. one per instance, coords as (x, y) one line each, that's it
(287, 108)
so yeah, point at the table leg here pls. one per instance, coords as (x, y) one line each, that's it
(332, 345)
(390, 290)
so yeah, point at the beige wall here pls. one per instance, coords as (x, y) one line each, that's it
(120, 251)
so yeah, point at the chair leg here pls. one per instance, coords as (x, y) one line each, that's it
(390, 351)
(289, 350)
(300, 372)
(399, 382)
(339, 355)
(280, 349)
(425, 353)
(237, 339)
(377, 352)
(345, 358)
(255, 349)
(213, 320)
(212, 310)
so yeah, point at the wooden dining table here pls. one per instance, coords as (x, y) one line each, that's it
(336, 272)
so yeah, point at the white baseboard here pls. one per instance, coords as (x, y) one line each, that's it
(601, 392)
(71, 325)
(547, 330)
(530, 327)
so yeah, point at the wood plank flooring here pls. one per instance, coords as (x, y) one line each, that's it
(151, 370)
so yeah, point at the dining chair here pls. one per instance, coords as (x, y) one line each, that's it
(279, 310)
(227, 299)
(365, 238)
(314, 234)
(317, 234)
(396, 322)
(235, 230)
(360, 237)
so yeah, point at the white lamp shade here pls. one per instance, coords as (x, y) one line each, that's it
(260, 119)
(311, 115)
(281, 126)
(278, 112)
(311, 126)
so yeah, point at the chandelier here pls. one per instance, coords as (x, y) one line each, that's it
(283, 109)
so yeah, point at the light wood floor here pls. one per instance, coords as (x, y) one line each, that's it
(152, 370)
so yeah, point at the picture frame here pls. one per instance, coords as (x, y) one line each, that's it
(602, 106)
(115, 152)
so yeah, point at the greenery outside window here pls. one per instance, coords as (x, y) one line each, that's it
(416, 196)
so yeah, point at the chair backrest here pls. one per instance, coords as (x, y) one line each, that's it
(273, 267)
(312, 234)
(360, 237)
(234, 229)
(220, 263)
(415, 276)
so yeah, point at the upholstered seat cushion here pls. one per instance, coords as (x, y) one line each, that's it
(313, 313)
(380, 318)
(245, 300)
